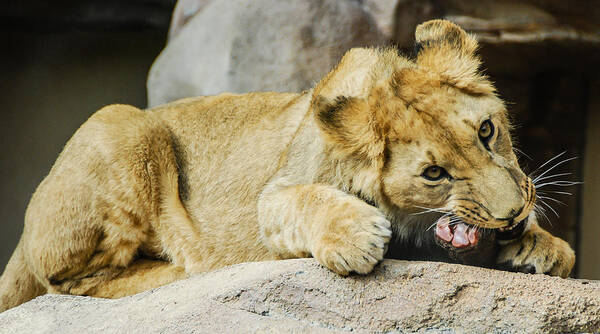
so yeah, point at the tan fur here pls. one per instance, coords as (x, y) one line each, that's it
(207, 182)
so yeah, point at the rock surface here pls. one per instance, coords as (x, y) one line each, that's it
(298, 296)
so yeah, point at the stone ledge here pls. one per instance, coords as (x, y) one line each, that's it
(301, 296)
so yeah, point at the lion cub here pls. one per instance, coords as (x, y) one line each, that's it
(138, 198)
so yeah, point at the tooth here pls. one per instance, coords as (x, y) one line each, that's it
(443, 221)
(473, 235)
(460, 236)
(442, 230)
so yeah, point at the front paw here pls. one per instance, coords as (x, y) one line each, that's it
(537, 251)
(354, 240)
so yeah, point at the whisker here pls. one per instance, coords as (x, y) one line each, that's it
(551, 208)
(552, 199)
(522, 153)
(547, 218)
(432, 225)
(541, 211)
(424, 212)
(550, 160)
(556, 192)
(554, 175)
(558, 183)
(428, 210)
(554, 166)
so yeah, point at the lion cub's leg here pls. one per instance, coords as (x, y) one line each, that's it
(139, 276)
(17, 283)
(537, 251)
(85, 225)
(341, 231)
(180, 239)
(116, 282)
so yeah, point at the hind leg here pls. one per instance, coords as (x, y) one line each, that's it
(96, 210)
(112, 282)
(140, 276)
(17, 283)
(99, 262)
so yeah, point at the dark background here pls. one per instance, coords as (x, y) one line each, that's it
(63, 60)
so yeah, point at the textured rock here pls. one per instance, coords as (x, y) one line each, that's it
(384, 14)
(381, 10)
(250, 45)
(183, 12)
(301, 296)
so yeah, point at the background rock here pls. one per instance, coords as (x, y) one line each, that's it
(258, 45)
(301, 296)
(183, 12)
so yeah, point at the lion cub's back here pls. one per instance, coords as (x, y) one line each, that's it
(228, 147)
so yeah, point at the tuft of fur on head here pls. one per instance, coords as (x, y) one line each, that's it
(355, 130)
(446, 49)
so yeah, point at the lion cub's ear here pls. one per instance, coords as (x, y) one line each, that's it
(349, 125)
(443, 36)
(445, 48)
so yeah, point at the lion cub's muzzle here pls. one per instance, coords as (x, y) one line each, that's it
(471, 221)
(473, 212)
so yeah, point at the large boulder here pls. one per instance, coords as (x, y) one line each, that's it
(301, 296)
(269, 45)
(258, 45)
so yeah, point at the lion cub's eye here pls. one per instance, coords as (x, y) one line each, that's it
(434, 173)
(486, 132)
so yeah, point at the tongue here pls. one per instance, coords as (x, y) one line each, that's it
(461, 239)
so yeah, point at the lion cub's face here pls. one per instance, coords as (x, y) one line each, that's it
(428, 132)
(456, 155)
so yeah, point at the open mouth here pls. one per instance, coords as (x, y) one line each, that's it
(462, 235)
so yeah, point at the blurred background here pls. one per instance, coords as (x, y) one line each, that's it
(63, 60)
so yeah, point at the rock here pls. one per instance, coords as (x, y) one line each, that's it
(384, 15)
(382, 11)
(301, 296)
(184, 10)
(249, 45)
